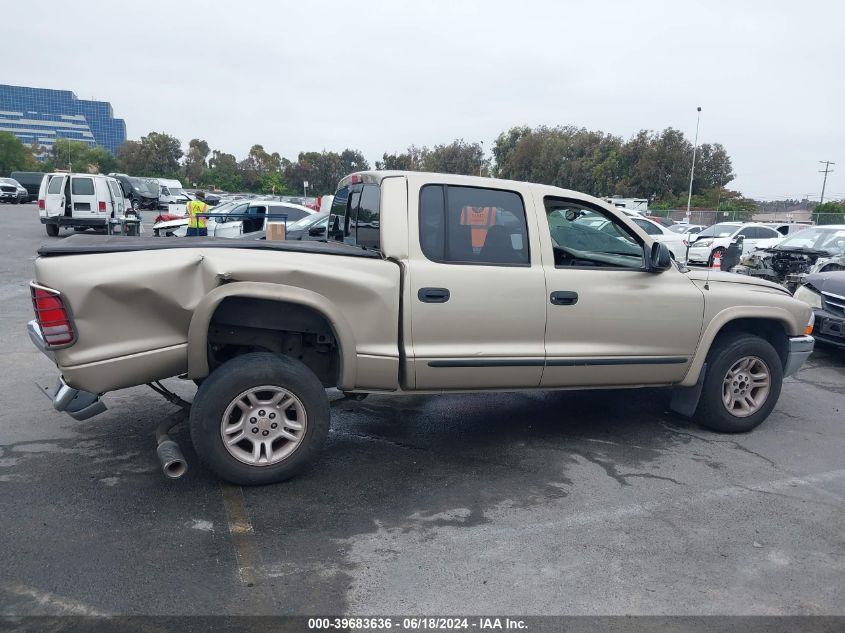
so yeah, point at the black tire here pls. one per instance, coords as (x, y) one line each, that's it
(712, 413)
(136, 204)
(238, 375)
(52, 230)
(719, 250)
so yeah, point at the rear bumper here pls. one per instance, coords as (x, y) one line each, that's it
(799, 350)
(63, 220)
(78, 404)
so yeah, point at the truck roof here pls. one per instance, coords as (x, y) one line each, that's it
(376, 177)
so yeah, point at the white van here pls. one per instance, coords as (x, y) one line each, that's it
(171, 192)
(79, 201)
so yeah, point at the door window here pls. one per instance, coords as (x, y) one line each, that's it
(55, 185)
(82, 186)
(471, 225)
(584, 237)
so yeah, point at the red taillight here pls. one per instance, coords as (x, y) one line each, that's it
(52, 317)
(102, 206)
(355, 179)
(41, 205)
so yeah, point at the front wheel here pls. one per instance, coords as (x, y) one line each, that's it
(259, 419)
(742, 384)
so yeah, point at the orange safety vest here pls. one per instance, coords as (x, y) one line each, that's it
(479, 219)
(195, 207)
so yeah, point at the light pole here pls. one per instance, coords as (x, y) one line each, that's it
(481, 162)
(692, 169)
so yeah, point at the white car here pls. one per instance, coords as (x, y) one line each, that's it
(689, 231)
(717, 238)
(237, 224)
(676, 242)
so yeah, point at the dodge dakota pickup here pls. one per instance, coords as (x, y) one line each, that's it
(425, 283)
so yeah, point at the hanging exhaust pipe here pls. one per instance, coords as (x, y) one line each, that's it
(173, 463)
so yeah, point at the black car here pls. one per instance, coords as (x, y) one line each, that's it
(825, 293)
(311, 227)
(29, 180)
(143, 192)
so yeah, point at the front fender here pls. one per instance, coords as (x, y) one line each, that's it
(201, 319)
(768, 313)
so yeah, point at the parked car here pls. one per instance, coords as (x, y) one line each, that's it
(817, 249)
(142, 192)
(311, 227)
(825, 293)
(237, 225)
(79, 201)
(717, 239)
(689, 231)
(677, 243)
(12, 191)
(29, 180)
(667, 222)
(427, 283)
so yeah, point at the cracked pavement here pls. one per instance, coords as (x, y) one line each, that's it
(532, 503)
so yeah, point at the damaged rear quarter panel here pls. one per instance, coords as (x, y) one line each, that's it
(142, 303)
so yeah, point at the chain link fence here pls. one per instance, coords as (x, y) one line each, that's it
(707, 218)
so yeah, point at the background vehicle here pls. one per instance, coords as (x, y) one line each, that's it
(142, 192)
(689, 231)
(717, 238)
(426, 283)
(79, 201)
(237, 225)
(12, 191)
(667, 222)
(29, 180)
(312, 227)
(825, 293)
(815, 249)
(676, 242)
(170, 192)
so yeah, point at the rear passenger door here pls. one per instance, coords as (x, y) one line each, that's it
(478, 311)
(54, 199)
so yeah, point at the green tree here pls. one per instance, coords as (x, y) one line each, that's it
(195, 160)
(411, 160)
(156, 155)
(457, 157)
(830, 213)
(223, 173)
(14, 155)
(257, 165)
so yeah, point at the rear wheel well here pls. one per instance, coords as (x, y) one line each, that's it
(769, 329)
(242, 325)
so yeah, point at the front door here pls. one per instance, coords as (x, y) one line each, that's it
(477, 290)
(609, 321)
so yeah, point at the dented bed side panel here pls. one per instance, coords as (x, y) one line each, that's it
(133, 310)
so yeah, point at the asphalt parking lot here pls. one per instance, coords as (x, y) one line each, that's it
(533, 503)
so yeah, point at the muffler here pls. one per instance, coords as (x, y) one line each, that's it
(173, 463)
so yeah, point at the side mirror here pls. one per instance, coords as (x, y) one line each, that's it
(314, 231)
(659, 258)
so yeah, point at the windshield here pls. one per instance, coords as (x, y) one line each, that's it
(679, 228)
(819, 238)
(718, 230)
(145, 187)
(10, 181)
(307, 221)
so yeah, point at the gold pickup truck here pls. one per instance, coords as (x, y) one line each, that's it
(426, 283)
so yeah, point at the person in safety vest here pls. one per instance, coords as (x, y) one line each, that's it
(196, 221)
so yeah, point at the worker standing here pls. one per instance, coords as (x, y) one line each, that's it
(196, 218)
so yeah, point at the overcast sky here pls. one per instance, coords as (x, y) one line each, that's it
(379, 76)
